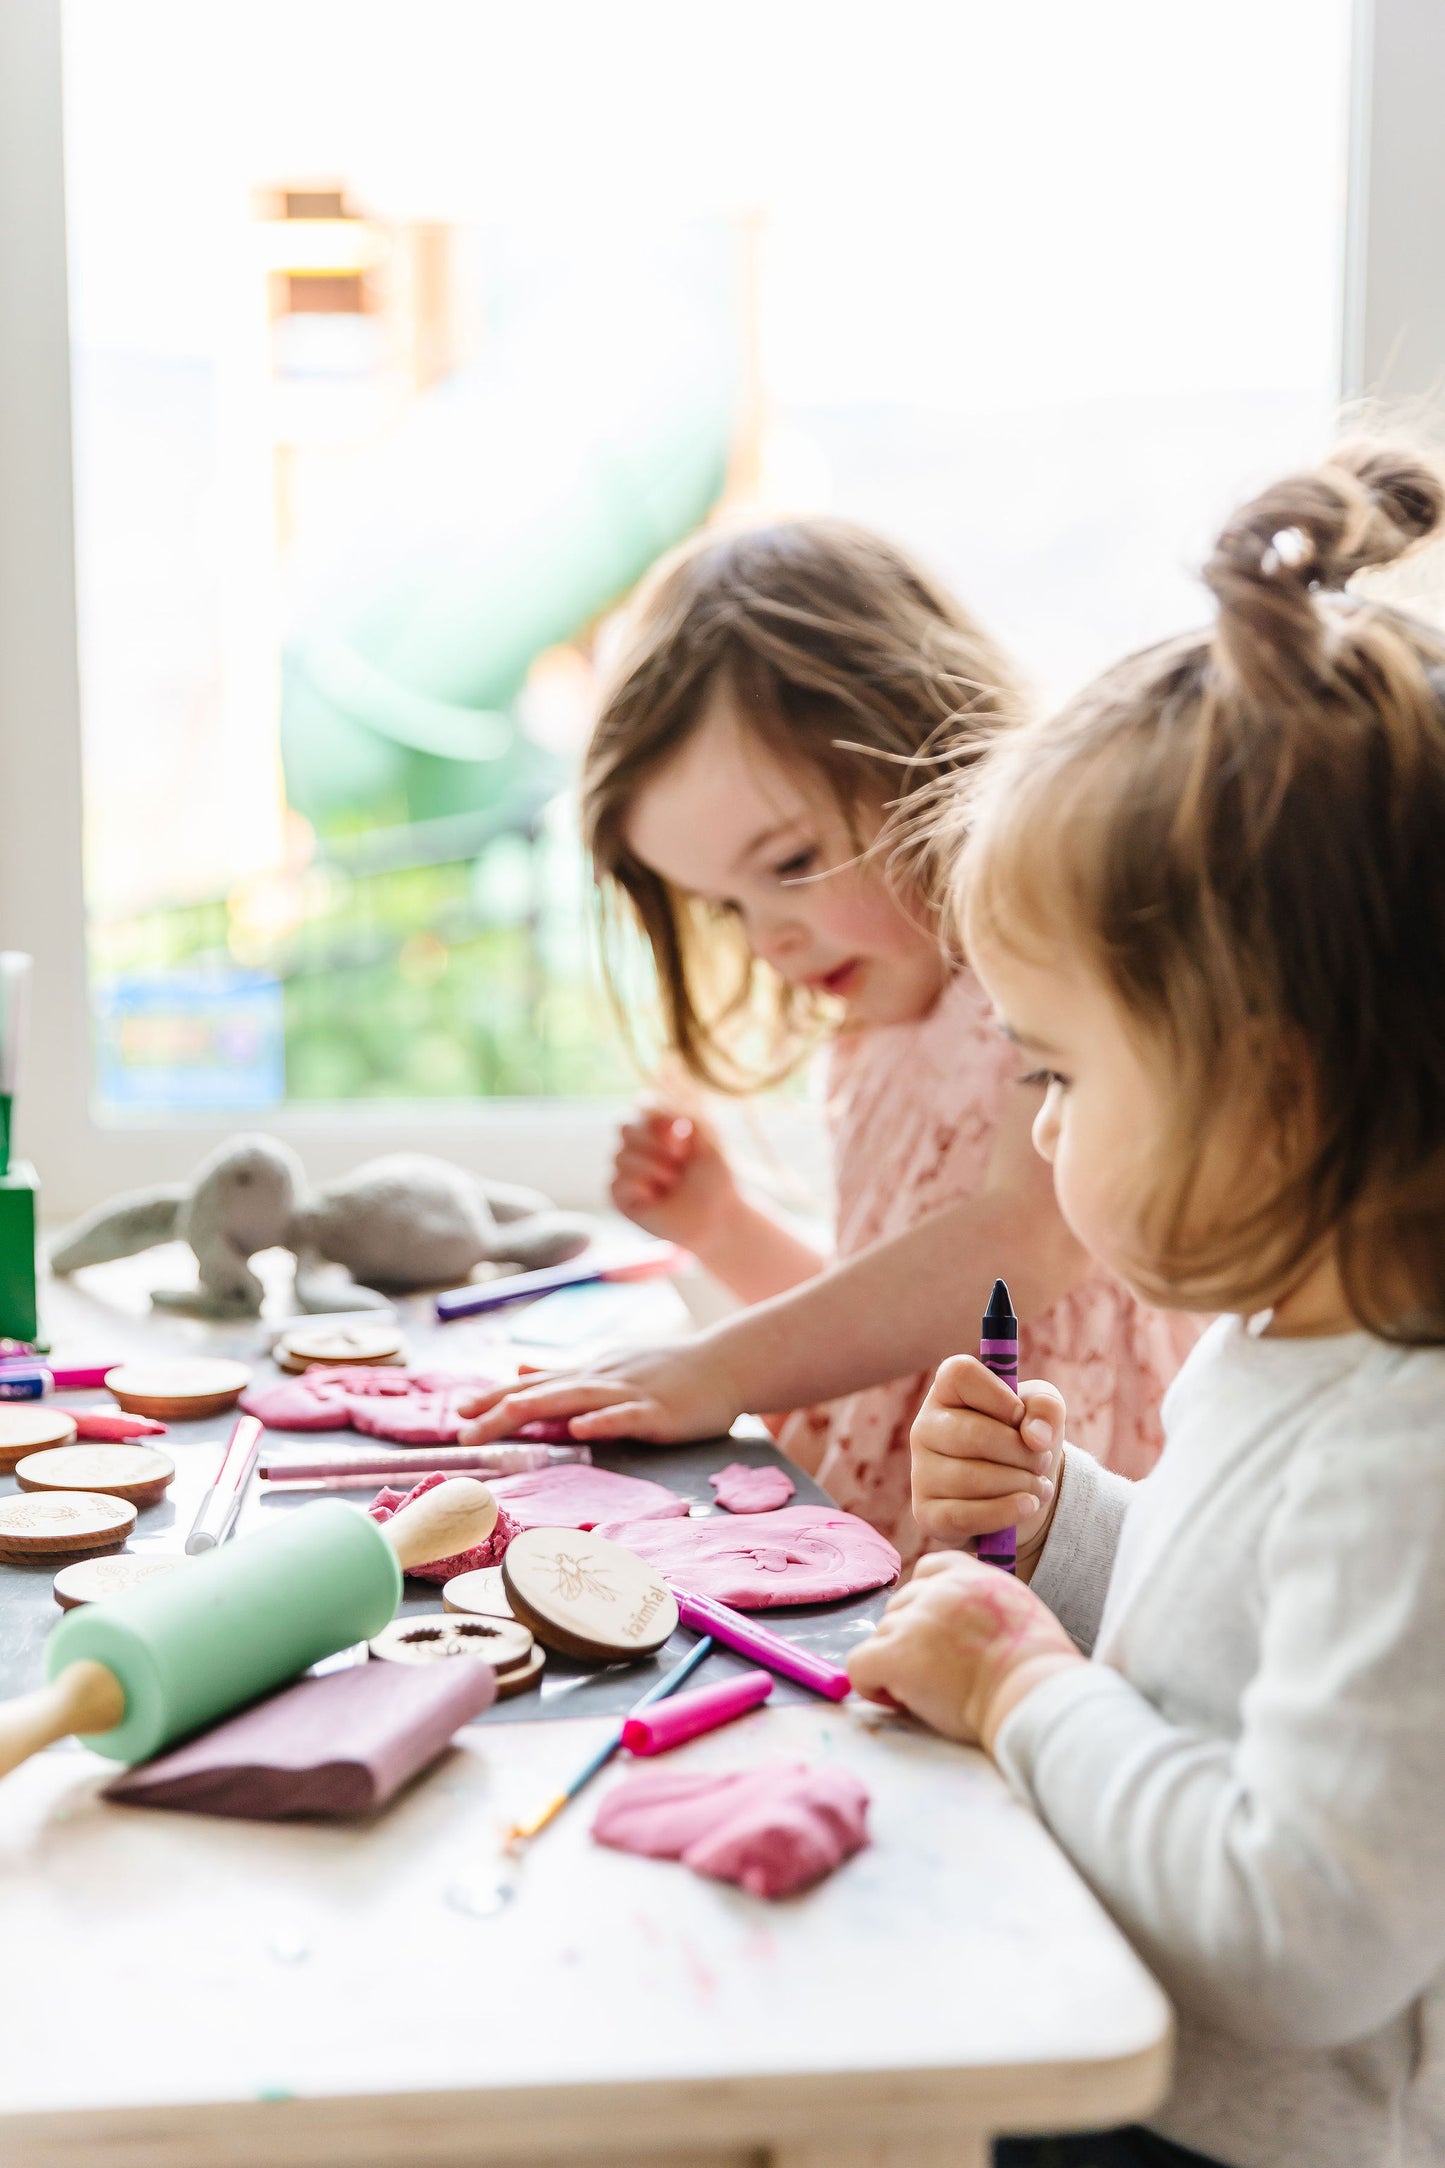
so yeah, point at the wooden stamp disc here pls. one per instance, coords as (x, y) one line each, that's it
(479, 1592)
(178, 1392)
(298, 1349)
(134, 1472)
(93, 1580)
(503, 1643)
(29, 1429)
(40, 1524)
(525, 1675)
(587, 1597)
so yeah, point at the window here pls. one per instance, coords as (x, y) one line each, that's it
(405, 333)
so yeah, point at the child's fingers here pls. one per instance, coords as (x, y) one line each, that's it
(662, 1129)
(646, 1169)
(941, 1479)
(1044, 1416)
(641, 1419)
(964, 1382)
(957, 1434)
(950, 1520)
(502, 1418)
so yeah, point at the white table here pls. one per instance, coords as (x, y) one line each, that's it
(180, 1992)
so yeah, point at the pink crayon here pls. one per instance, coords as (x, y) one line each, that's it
(704, 1615)
(687, 1716)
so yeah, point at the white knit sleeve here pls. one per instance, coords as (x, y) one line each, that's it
(1072, 1575)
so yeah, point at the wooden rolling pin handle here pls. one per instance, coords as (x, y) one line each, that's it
(451, 1518)
(85, 1697)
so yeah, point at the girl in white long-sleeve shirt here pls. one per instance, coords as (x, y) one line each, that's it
(1209, 903)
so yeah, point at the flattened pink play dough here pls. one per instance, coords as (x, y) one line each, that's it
(803, 1554)
(741, 1489)
(580, 1497)
(388, 1501)
(419, 1419)
(298, 1404)
(772, 1830)
(408, 1407)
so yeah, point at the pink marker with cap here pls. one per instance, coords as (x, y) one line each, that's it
(687, 1716)
(705, 1615)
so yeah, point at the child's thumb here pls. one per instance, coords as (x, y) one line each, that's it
(1044, 1416)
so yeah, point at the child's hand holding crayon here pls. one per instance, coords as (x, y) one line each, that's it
(985, 1457)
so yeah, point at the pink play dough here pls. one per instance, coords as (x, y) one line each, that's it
(741, 1489)
(772, 1830)
(409, 1407)
(580, 1497)
(388, 1501)
(552, 1498)
(803, 1554)
(298, 1404)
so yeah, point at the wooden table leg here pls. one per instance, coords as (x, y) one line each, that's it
(965, 2151)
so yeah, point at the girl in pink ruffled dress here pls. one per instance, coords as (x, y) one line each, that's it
(786, 691)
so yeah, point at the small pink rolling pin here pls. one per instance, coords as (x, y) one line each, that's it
(687, 1716)
(704, 1615)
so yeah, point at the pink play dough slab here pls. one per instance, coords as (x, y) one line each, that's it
(388, 1501)
(772, 1830)
(803, 1554)
(552, 1498)
(408, 1407)
(741, 1489)
(580, 1497)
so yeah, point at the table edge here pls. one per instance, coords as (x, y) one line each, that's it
(433, 2129)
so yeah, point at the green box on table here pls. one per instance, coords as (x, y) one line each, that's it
(19, 1210)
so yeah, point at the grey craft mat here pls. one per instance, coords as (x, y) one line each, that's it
(28, 1609)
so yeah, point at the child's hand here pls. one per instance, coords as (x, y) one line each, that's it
(671, 1176)
(664, 1396)
(960, 1647)
(985, 1458)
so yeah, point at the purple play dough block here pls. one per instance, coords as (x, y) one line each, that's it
(339, 1745)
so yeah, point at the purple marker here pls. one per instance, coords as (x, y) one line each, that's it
(998, 1351)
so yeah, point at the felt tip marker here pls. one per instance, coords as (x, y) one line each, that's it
(998, 1351)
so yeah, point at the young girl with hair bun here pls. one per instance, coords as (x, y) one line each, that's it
(783, 688)
(1208, 901)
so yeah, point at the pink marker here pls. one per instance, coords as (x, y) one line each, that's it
(704, 1615)
(81, 1378)
(687, 1716)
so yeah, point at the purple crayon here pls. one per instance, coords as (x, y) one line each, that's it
(998, 1351)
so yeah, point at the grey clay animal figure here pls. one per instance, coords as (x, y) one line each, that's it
(400, 1223)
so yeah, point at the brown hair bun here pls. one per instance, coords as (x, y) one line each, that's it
(1366, 505)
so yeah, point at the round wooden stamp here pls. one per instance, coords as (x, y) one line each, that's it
(137, 1473)
(26, 1429)
(178, 1392)
(41, 1524)
(479, 1592)
(92, 1580)
(504, 1643)
(322, 1343)
(585, 1596)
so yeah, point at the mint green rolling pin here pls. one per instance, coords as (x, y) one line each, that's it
(175, 1653)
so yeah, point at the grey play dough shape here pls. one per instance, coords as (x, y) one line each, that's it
(400, 1223)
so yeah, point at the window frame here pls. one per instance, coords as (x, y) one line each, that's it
(1392, 340)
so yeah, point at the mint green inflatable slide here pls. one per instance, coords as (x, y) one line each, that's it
(522, 497)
